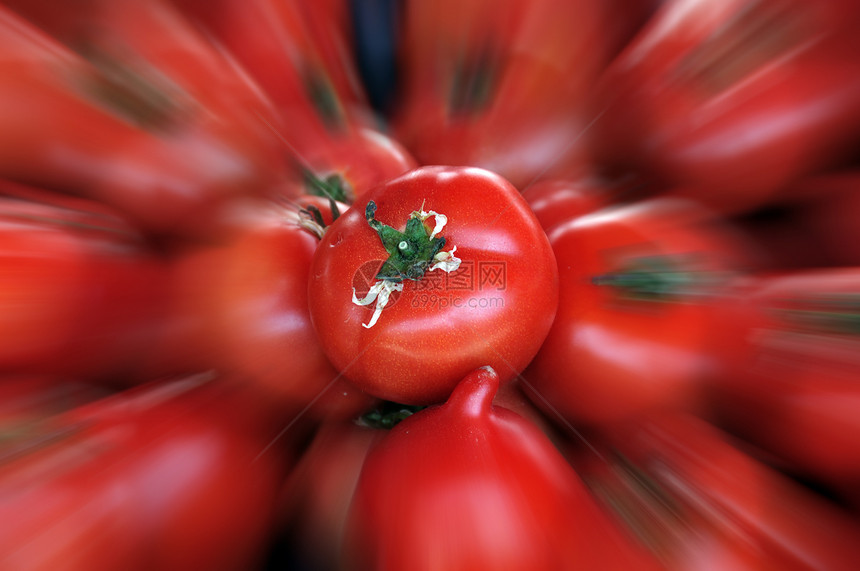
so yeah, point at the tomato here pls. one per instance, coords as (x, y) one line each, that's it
(145, 117)
(700, 501)
(320, 489)
(557, 201)
(358, 162)
(469, 485)
(501, 84)
(80, 293)
(150, 479)
(634, 313)
(26, 400)
(274, 42)
(245, 311)
(788, 380)
(831, 215)
(441, 312)
(730, 101)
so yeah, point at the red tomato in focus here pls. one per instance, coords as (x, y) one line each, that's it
(468, 485)
(634, 316)
(495, 308)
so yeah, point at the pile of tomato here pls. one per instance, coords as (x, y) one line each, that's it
(451, 285)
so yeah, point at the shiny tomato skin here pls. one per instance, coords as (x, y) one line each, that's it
(435, 331)
(614, 353)
(469, 485)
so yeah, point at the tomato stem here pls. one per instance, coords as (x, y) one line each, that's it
(387, 415)
(332, 187)
(410, 252)
(654, 278)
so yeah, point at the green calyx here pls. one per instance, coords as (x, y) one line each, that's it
(332, 187)
(656, 278)
(388, 415)
(410, 252)
(837, 314)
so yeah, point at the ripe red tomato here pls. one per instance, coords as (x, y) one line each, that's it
(441, 320)
(555, 202)
(499, 84)
(790, 368)
(146, 117)
(700, 501)
(358, 161)
(319, 491)
(467, 485)
(634, 316)
(80, 293)
(315, 93)
(730, 100)
(150, 479)
(244, 308)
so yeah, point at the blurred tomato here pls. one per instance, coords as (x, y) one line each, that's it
(730, 100)
(501, 84)
(80, 294)
(354, 163)
(632, 329)
(555, 202)
(144, 116)
(830, 215)
(468, 485)
(277, 43)
(700, 502)
(145, 480)
(246, 309)
(320, 489)
(790, 367)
